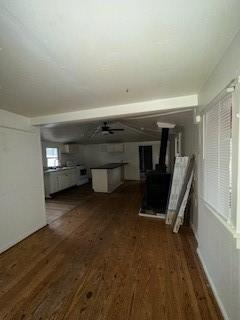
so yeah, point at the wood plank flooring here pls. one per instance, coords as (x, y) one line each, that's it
(102, 261)
(66, 200)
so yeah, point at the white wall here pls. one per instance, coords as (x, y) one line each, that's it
(226, 70)
(221, 260)
(132, 157)
(22, 208)
(95, 156)
(217, 248)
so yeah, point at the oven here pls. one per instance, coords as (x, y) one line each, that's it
(82, 175)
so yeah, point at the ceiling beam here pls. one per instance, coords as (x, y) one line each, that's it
(124, 110)
(139, 131)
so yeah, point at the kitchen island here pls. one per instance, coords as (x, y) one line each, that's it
(108, 177)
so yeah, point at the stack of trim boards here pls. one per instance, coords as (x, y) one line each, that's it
(176, 217)
(179, 173)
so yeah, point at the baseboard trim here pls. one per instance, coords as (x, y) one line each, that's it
(22, 237)
(214, 290)
(194, 232)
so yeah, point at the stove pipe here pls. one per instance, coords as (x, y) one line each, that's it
(161, 166)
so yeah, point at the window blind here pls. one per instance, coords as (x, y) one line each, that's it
(217, 155)
(52, 157)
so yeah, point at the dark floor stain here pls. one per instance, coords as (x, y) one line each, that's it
(89, 294)
(83, 309)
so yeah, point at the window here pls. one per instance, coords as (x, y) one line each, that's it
(217, 156)
(52, 157)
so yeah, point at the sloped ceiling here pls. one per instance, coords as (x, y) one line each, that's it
(135, 129)
(58, 56)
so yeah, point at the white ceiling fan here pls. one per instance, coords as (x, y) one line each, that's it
(105, 129)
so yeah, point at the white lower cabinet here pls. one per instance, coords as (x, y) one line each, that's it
(107, 180)
(59, 180)
(63, 181)
(51, 183)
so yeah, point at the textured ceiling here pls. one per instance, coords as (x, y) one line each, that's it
(58, 56)
(135, 129)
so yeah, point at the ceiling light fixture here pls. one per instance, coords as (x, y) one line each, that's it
(165, 125)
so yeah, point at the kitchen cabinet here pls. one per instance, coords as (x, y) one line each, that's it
(67, 178)
(115, 147)
(58, 180)
(63, 181)
(112, 147)
(69, 148)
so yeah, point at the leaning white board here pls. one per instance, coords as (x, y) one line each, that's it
(180, 167)
(180, 216)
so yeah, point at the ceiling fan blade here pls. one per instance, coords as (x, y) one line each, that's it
(98, 129)
(117, 129)
(107, 128)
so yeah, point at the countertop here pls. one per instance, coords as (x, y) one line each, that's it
(111, 165)
(59, 169)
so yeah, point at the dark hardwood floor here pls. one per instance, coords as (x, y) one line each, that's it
(102, 261)
(66, 200)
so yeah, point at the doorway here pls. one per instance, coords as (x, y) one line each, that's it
(145, 160)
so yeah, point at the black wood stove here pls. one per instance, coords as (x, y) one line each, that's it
(158, 181)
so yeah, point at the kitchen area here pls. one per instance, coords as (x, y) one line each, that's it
(100, 154)
(80, 160)
(61, 178)
(61, 167)
(66, 166)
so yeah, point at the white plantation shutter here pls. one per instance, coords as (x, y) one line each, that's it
(211, 157)
(217, 156)
(225, 132)
(200, 159)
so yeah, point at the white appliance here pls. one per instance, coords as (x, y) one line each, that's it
(82, 176)
(71, 163)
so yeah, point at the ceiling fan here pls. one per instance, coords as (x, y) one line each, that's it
(106, 129)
